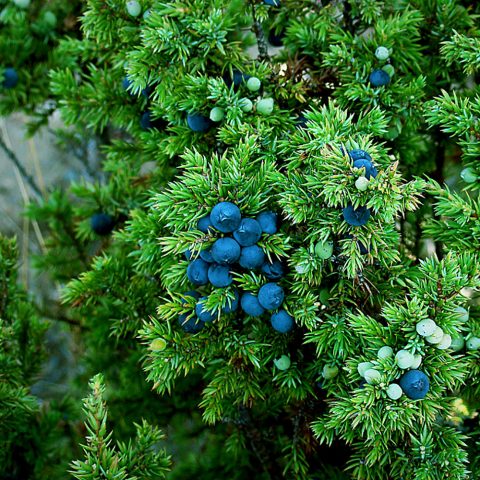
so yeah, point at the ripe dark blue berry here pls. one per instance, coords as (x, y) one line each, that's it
(250, 305)
(126, 84)
(226, 217)
(370, 170)
(147, 122)
(273, 270)
(197, 272)
(270, 296)
(248, 233)
(225, 251)
(379, 78)
(198, 122)
(192, 325)
(204, 224)
(232, 305)
(252, 257)
(268, 222)
(202, 313)
(356, 217)
(10, 78)
(272, 3)
(281, 321)
(207, 255)
(190, 293)
(358, 154)
(102, 223)
(237, 78)
(301, 121)
(276, 39)
(188, 254)
(219, 276)
(415, 384)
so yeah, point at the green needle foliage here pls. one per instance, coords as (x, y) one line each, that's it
(283, 142)
(30, 33)
(141, 458)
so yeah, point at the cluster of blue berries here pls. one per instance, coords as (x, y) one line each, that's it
(356, 217)
(382, 76)
(237, 249)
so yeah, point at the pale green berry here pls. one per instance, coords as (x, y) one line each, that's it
(382, 53)
(134, 8)
(372, 376)
(394, 391)
(385, 352)
(254, 84)
(22, 3)
(245, 104)
(282, 363)
(324, 296)
(265, 106)
(362, 183)
(329, 371)
(445, 343)
(389, 70)
(217, 114)
(462, 314)
(50, 19)
(473, 343)
(468, 175)
(324, 250)
(158, 345)
(417, 361)
(147, 14)
(404, 359)
(436, 336)
(426, 327)
(457, 343)
(363, 367)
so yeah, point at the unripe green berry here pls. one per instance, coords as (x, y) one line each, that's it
(426, 327)
(457, 343)
(473, 343)
(385, 352)
(22, 3)
(394, 391)
(134, 8)
(382, 53)
(245, 104)
(50, 19)
(372, 376)
(417, 361)
(462, 314)
(146, 14)
(468, 175)
(389, 70)
(436, 336)
(282, 363)
(324, 296)
(404, 359)
(324, 250)
(329, 371)
(363, 367)
(362, 183)
(445, 343)
(158, 345)
(265, 106)
(217, 114)
(254, 84)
